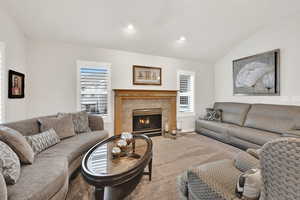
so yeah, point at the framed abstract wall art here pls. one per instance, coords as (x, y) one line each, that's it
(257, 75)
(16, 84)
(143, 75)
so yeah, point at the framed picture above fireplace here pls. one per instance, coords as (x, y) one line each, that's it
(143, 75)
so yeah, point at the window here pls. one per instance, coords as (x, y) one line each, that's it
(186, 91)
(2, 82)
(94, 88)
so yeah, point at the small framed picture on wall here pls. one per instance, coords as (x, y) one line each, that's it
(16, 84)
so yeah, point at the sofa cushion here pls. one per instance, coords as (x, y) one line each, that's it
(18, 143)
(252, 135)
(96, 123)
(75, 146)
(274, 118)
(9, 164)
(80, 121)
(42, 180)
(214, 125)
(234, 113)
(42, 141)
(3, 189)
(63, 125)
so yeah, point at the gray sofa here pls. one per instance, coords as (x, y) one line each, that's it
(48, 177)
(251, 125)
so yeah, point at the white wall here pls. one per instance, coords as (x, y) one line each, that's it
(52, 75)
(284, 35)
(15, 59)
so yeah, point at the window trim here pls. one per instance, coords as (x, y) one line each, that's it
(80, 64)
(193, 75)
(3, 83)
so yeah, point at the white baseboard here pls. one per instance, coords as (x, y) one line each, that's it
(187, 130)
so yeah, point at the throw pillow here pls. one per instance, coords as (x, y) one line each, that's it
(42, 141)
(213, 114)
(10, 164)
(63, 125)
(80, 121)
(18, 143)
(249, 185)
(3, 189)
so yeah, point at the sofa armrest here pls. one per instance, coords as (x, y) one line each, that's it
(244, 161)
(291, 133)
(96, 123)
(254, 152)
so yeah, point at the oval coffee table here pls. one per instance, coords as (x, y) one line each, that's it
(116, 178)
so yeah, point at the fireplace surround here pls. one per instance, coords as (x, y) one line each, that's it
(128, 100)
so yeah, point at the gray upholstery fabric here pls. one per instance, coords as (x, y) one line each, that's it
(18, 143)
(291, 133)
(280, 161)
(80, 121)
(3, 189)
(252, 135)
(213, 134)
(273, 118)
(63, 125)
(75, 146)
(96, 123)
(213, 181)
(214, 126)
(234, 113)
(62, 193)
(25, 127)
(42, 141)
(244, 161)
(9, 164)
(254, 152)
(42, 180)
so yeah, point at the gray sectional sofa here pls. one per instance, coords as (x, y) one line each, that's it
(251, 125)
(48, 177)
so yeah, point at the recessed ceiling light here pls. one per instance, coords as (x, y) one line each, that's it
(129, 29)
(182, 39)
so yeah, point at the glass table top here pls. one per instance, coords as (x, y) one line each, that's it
(101, 161)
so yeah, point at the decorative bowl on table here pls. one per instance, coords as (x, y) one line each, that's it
(116, 152)
(128, 137)
(122, 144)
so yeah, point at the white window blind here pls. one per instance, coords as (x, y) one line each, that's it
(2, 92)
(94, 88)
(186, 92)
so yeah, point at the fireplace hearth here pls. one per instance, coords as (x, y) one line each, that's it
(147, 121)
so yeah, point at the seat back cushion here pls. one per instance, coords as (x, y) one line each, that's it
(274, 118)
(234, 113)
(26, 127)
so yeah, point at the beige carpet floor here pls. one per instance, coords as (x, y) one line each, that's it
(170, 158)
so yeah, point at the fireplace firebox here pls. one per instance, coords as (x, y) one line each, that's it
(147, 121)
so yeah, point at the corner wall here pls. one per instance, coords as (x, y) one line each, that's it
(283, 35)
(52, 76)
(15, 59)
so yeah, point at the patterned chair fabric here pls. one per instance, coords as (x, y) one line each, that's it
(280, 164)
(280, 168)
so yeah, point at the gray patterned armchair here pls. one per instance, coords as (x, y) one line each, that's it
(280, 168)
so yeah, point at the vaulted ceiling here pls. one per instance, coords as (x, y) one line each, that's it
(211, 27)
